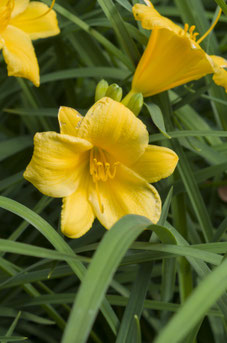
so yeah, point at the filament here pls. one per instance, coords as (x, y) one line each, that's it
(211, 28)
(190, 31)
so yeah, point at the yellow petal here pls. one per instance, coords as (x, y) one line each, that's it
(219, 61)
(3, 3)
(77, 214)
(220, 78)
(156, 163)
(19, 55)
(34, 24)
(151, 19)
(56, 163)
(220, 74)
(114, 128)
(19, 7)
(6, 8)
(69, 119)
(169, 60)
(127, 193)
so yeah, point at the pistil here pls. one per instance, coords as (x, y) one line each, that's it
(211, 28)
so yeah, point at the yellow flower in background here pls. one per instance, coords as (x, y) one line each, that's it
(21, 22)
(101, 164)
(173, 56)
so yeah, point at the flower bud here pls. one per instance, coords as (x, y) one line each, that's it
(134, 101)
(101, 89)
(114, 92)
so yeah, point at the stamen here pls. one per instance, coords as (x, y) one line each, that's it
(211, 28)
(108, 172)
(190, 31)
(101, 170)
(186, 27)
(192, 28)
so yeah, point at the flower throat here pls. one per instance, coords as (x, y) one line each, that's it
(101, 170)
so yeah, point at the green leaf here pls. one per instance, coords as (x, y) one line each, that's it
(4, 339)
(97, 72)
(13, 325)
(14, 145)
(223, 5)
(46, 112)
(104, 263)
(60, 245)
(120, 29)
(157, 118)
(100, 38)
(197, 305)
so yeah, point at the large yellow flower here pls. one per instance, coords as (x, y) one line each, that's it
(21, 22)
(172, 56)
(101, 164)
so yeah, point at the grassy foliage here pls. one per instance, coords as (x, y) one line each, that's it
(128, 285)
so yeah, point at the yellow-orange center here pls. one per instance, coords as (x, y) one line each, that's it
(101, 170)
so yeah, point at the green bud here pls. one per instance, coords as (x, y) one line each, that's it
(101, 89)
(114, 92)
(134, 102)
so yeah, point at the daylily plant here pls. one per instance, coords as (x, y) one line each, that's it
(101, 164)
(173, 56)
(21, 22)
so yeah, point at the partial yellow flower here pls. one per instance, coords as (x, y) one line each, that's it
(101, 164)
(21, 22)
(172, 56)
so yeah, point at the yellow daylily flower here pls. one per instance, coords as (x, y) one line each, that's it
(21, 22)
(101, 164)
(173, 56)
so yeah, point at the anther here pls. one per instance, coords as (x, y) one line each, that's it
(113, 174)
(192, 28)
(186, 27)
(101, 170)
